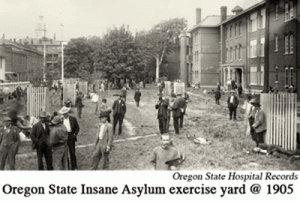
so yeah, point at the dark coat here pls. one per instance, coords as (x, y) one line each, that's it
(13, 131)
(218, 95)
(179, 107)
(74, 125)
(234, 104)
(37, 133)
(137, 95)
(122, 107)
(162, 108)
(78, 102)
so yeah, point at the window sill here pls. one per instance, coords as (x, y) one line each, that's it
(276, 19)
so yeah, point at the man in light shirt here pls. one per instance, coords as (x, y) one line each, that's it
(103, 143)
(95, 99)
(73, 129)
(232, 102)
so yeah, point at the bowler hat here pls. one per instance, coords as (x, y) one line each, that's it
(254, 101)
(56, 120)
(43, 114)
(103, 114)
(7, 119)
(232, 91)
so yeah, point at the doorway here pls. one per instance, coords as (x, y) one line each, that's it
(238, 76)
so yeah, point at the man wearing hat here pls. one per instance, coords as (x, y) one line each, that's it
(259, 124)
(73, 129)
(103, 143)
(162, 114)
(40, 141)
(119, 111)
(137, 96)
(232, 103)
(164, 156)
(9, 143)
(58, 141)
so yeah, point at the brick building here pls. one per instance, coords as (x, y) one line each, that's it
(18, 59)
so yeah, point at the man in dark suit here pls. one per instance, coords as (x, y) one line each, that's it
(9, 143)
(40, 134)
(182, 106)
(73, 130)
(232, 102)
(119, 111)
(137, 96)
(178, 111)
(78, 104)
(162, 114)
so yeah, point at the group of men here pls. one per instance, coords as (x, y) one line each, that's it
(51, 140)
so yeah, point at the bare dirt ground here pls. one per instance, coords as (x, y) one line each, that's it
(204, 119)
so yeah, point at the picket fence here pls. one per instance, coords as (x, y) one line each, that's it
(37, 100)
(281, 117)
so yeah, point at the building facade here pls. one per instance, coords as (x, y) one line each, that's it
(18, 59)
(283, 45)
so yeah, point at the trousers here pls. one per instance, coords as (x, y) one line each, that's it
(97, 155)
(118, 118)
(71, 145)
(9, 152)
(60, 157)
(46, 151)
(162, 122)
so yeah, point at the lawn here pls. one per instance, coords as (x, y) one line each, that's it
(204, 119)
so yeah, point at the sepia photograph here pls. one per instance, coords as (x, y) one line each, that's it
(150, 85)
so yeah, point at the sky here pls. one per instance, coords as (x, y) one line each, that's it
(83, 18)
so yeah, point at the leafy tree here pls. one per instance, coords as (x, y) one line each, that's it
(118, 55)
(77, 58)
(162, 39)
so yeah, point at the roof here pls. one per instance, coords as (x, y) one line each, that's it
(245, 11)
(209, 21)
(237, 9)
(36, 41)
(19, 45)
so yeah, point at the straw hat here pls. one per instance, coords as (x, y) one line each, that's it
(254, 101)
(7, 119)
(43, 114)
(64, 110)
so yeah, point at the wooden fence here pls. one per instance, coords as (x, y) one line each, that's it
(281, 116)
(37, 100)
(12, 86)
(179, 88)
(69, 91)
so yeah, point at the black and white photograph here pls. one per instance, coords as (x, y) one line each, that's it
(150, 85)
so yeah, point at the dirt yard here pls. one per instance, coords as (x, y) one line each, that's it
(203, 119)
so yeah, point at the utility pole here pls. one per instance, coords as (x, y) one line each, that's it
(267, 41)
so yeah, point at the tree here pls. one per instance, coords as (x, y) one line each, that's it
(162, 39)
(77, 58)
(118, 55)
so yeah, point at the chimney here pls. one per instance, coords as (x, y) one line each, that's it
(198, 15)
(20, 41)
(54, 37)
(3, 36)
(223, 13)
(31, 41)
(14, 40)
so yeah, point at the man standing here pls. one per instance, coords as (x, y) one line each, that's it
(79, 104)
(73, 130)
(182, 106)
(58, 140)
(103, 108)
(259, 124)
(176, 113)
(40, 141)
(9, 144)
(95, 99)
(232, 102)
(137, 96)
(163, 155)
(103, 143)
(162, 114)
(119, 111)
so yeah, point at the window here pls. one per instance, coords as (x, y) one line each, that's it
(263, 18)
(227, 54)
(276, 42)
(253, 49)
(276, 11)
(286, 42)
(240, 52)
(236, 30)
(253, 22)
(262, 47)
(291, 44)
(231, 54)
(236, 53)
(291, 10)
(230, 32)
(292, 75)
(286, 76)
(240, 28)
(187, 50)
(286, 13)
(262, 70)
(253, 75)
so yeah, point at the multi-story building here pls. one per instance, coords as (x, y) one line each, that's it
(284, 49)
(51, 46)
(242, 46)
(18, 59)
(2, 64)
